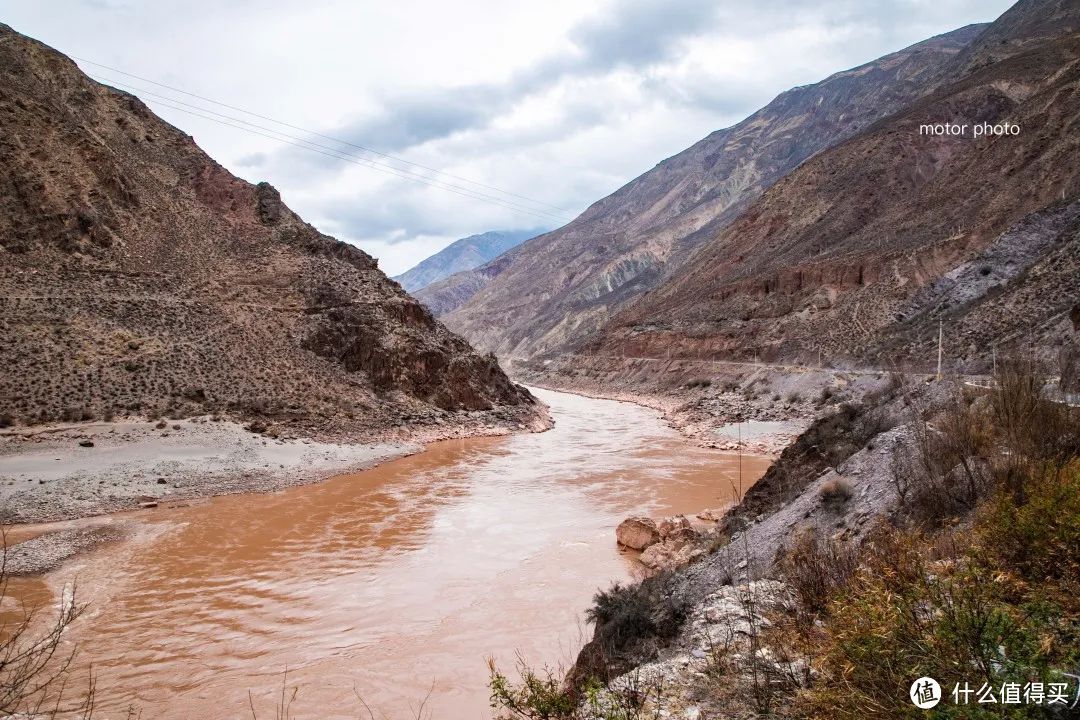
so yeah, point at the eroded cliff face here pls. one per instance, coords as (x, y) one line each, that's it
(556, 289)
(139, 276)
(860, 252)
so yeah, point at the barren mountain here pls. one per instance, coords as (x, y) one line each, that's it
(862, 250)
(461, 255)
(138, 276)
(559, 287)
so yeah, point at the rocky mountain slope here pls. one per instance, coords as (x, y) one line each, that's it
(461, 255)
(557, 288)
(861, 251)
(139, 277)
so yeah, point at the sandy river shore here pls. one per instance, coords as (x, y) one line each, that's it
(67, 472)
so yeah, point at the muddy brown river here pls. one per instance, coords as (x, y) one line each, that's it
(390, 584)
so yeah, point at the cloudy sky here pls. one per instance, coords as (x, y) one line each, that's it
(509, 115)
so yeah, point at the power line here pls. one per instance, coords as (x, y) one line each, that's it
(318, 134)
(356, 161)
(305, 144)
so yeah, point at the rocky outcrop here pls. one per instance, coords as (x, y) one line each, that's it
(556, 289)
(140, 277)
(664, 545)
(719, 639)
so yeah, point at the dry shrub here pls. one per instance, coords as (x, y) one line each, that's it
(34, 667)
(1040, 537)
(1069, 368)
(1039, 434)
(817, 569)
(941, 470)
(835, 493)
(630, 621)
(999, 605)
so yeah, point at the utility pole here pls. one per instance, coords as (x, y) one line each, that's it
(939, 343)
(739, 426)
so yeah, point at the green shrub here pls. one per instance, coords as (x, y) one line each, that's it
(1005, 610)
(539, 695)
(1040, 539)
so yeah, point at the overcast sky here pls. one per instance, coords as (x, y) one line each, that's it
(560, 102)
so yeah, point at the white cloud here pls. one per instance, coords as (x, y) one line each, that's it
(561, 101)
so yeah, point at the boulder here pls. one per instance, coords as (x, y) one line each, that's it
(714, 514)
(674, 525)
(637, 533)
(666, 556)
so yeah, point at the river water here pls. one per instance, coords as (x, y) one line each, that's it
(391, 584)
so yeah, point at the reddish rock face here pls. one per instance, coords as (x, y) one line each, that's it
(139, 276)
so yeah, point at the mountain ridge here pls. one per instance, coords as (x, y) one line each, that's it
(556, 289)
(461, 255)
(141, 278)
(829, 261)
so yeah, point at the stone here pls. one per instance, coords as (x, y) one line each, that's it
(637, 533)
(673, 525)
(86, 443)
(714, 514)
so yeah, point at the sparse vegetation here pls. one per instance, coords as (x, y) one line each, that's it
(835, 493)
(631, 622)
(36, 671)
(817, 568)
(995, 604)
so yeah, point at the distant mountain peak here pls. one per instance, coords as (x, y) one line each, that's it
(464, 254)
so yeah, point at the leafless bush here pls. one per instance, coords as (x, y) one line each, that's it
(35, 670)
(1069, 369)
(1039, 434)
(941, 468)
(817, 569)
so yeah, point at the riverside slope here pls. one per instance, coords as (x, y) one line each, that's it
(555, 289)
(139, 277)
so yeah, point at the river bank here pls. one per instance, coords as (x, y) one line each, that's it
(385, 580)
(62, 472)
(71, 471)
(751, 408)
